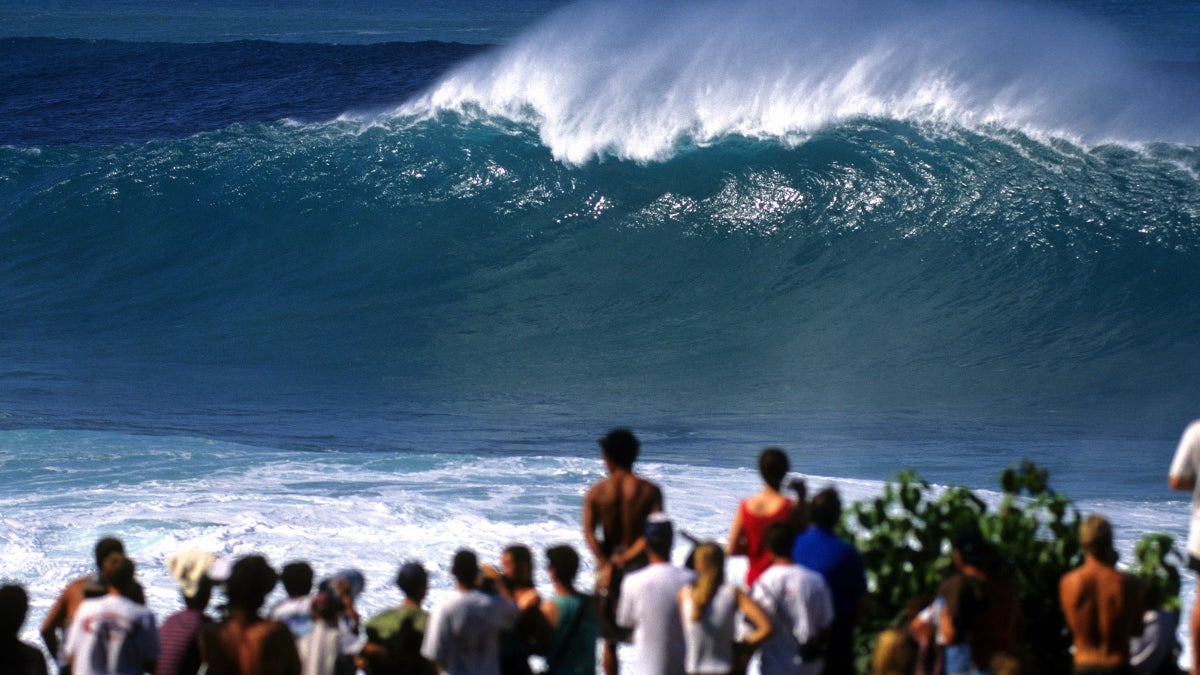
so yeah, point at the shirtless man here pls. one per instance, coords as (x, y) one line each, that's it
(60, 614)
(1100, 604)
(619, 505)
(245, 643)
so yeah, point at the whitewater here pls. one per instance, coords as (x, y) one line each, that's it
(366, 288)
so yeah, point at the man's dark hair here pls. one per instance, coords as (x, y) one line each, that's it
(773, 465)
(413, 580)
(621, 447)
(522, 560)
(14, 604)
(106, 547)
(777, 539)
(297, 578)
(565, 563)
(825, 509)
(250, 580)
(118, 573)
(465, 568)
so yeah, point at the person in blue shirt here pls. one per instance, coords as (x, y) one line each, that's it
(820, 550)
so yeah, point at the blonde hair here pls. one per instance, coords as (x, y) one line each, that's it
(1096, 536)
(710, 574)
(895, 653)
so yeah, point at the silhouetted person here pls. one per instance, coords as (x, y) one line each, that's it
(112, 633)
(756, 513)
(1101, 605)
(245, 643)
(463, 637)
(571, 618)
(58, 617)
(179, 635)
(618, 506)
(16, 657)
(841, 565)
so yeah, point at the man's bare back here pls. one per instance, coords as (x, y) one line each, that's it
(241, 646)
(619, 505)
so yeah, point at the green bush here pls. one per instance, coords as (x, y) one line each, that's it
(904, 536)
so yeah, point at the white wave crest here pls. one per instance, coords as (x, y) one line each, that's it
(637, 81)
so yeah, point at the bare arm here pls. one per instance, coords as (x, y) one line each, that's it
(757, 617)
(56, 618)
(550, 612)
(589, 526)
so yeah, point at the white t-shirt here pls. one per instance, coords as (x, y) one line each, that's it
(649, 606)
(464, 633)
(800, 606)
(111, 634)
(1186, 465)
(296, 614)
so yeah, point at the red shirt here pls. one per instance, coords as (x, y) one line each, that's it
(752, 528)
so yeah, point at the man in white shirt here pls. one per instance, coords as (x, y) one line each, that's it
(648, 605)
(463, 635)
(800, 606)
(111, 633)
(1182, 476)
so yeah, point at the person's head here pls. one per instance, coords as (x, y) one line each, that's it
(14, 604)
(413, 581)
(895, 653)
(106, 547)
(773, 465)
(297, 578)
(190, 569)
(971, 548)
(516, 562)
(563, 563)
(118, 574)
(825, 509)
(777, 539)
(250, 580)
(620, 447)
(710, 574)
(325, 607)
(1096, 538)
(465, 568)
(660, 535)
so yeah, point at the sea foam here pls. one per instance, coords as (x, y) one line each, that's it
(638, 82)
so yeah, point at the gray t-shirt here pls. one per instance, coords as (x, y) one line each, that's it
(464, 633)
(648, 605)
(111, 634)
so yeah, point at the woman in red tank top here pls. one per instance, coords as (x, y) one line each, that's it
(755, 513)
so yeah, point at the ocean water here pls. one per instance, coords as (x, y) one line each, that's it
(358, 284)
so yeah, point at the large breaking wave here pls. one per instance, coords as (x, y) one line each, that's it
(639, 81)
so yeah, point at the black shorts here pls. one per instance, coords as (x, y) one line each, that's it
(1193, 563)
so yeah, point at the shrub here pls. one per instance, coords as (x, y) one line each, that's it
(904, 536)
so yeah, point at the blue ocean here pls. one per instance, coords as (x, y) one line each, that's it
(358, 282)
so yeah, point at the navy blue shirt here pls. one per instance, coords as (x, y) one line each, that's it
(839, 562)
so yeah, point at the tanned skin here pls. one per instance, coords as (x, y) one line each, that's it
(619, 506)
(1102, 611)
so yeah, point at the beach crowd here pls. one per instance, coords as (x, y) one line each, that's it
(796, 612)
